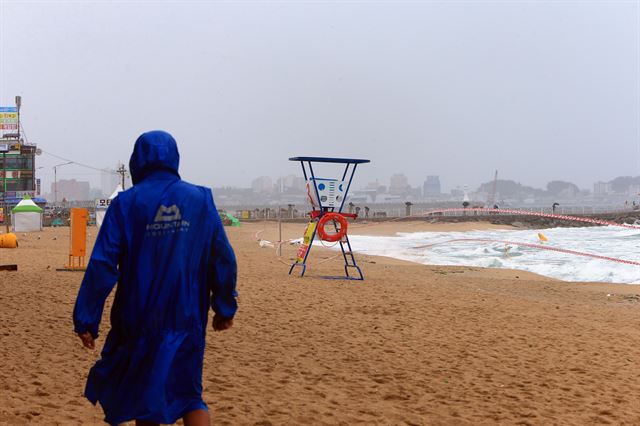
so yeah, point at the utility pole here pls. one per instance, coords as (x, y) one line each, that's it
(4, 149)
(122, 172)
(18, 105)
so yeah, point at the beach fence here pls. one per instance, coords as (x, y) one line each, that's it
(59, 214)
(270, 213)
(569, 210)
(382, 211)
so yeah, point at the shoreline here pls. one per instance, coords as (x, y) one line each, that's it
(391, 229)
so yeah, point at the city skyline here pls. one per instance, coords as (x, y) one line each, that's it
(270, 185)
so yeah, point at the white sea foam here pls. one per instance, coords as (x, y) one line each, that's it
(605, 241)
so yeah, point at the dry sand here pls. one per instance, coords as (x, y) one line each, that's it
(411, 344)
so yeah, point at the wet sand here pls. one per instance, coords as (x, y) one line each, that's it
(412, 344)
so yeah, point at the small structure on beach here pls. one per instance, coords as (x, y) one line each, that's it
(26, 216)
(103, 204)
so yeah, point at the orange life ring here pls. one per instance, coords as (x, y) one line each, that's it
(332, 238)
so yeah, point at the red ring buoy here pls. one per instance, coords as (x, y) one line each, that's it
(333, 237)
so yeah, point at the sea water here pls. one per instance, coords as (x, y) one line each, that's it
(435, 248)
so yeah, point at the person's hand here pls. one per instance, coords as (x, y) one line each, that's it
(87, 340)
(221, 324)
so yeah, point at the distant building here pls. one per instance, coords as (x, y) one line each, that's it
(633, 190)
(291, 183)
(95, 193)
(399, 184)
(19, 165)
(602, 188)
(431, 186)
(19, 179)
(71, 190)
(457, 193)
(109, 180)
(415, 193)
(375, 187)
(262, 185)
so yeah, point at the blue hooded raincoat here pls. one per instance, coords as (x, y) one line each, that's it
(163, 242)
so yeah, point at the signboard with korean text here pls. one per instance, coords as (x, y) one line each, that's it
(21, 194)
(8, 118)
(103, 203)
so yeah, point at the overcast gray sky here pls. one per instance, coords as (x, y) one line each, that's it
(540, 90)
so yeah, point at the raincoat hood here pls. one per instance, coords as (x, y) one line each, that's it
(154, 151)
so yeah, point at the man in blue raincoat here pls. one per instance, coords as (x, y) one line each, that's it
(163, 242)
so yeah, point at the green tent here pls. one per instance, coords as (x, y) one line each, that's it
(234, 221)
(57, 222)
(26, 216)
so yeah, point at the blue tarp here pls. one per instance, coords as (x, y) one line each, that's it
(163, 242)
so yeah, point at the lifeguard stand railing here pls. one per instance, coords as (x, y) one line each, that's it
(327, 198)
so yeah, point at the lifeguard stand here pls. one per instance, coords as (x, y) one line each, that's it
(327, 197)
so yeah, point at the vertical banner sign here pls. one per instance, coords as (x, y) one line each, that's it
(77, 239)
(38, 186)
(8, 118)
(306, 240)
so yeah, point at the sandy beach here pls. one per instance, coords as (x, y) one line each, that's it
(411, 345)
